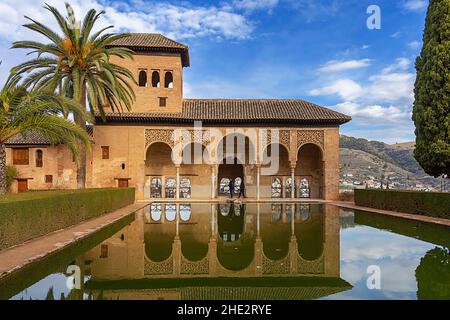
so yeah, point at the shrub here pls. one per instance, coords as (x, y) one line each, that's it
(11, 173)
(29, 215)
(435, 204)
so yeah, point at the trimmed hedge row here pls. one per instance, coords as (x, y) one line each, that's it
(33, 214)
(434, 204)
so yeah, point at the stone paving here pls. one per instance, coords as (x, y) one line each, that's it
(416, 217)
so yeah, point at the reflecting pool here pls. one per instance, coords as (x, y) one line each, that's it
(250, 251)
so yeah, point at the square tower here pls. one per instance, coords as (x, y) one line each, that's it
(158, 69)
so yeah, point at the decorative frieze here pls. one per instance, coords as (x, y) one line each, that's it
(310, 136)
(159, 135)
(276, 267)
(158, 268)
(194, 267)
(310, 267)
(269, 136)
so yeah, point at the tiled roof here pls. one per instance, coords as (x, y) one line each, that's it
(35, 138)
(28, 138)
(239, 111)
(153, 42)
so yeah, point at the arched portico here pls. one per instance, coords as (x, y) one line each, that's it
(272, 163)
(309, 172)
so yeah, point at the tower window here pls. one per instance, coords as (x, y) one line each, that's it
(48, 178)
(105, 152)
(142, 78)
(162, 102)
(155, 79)
(168, 80)
(39, 159)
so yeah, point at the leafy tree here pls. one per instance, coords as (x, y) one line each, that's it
(77, 62)
(22, 111)
(431, 112)
(433, 275)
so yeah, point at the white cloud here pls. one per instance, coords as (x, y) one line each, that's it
(415, 5)
(394, 84)
(414, 44)
(392, 87)
(385, 98)
(346, 88)
(400, 64)
(367, 114)
(251, 5)
(177, 21)
(396, 35)
(336, 66)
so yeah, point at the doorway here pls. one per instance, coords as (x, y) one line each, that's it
(230, 170)
(22, 185)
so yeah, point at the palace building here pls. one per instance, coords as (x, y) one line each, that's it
(170, 147)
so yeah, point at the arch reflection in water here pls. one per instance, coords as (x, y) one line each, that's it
(224, 240)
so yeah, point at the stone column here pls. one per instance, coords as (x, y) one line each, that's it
(213, 181)
(213, 220)
(293, 165)
(212, 255)
(258, 181)
(177, 230)
(163, 187)
(178, 182)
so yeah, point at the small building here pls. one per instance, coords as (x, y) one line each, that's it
(171, 147)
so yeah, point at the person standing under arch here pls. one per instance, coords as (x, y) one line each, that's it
(231, 186)
(242, 189)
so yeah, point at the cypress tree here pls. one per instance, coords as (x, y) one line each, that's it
(431, 112)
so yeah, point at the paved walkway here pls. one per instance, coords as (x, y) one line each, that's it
(18, 256)
(416, 217)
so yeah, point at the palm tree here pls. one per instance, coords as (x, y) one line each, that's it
(38, 111)
(77, 63)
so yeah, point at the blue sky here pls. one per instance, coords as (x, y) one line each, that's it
(320, 51)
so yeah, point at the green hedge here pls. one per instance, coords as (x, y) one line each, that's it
(433, 204)
(33, 214)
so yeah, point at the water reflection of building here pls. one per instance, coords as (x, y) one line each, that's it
(208, 242)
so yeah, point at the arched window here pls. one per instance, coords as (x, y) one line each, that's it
(39, 159)
(289, 211)
(288, 189)
(224, 209)
(305, 191)
(276, 188)
(142, 78)
(185, 188)
(171, 212)
(156, 211)
(276, 212)
(168, 80)
(237, 185)
(171, 188)
(224, 186)
(155, 188)
(185, 212)
(155, 79)
(305, 211)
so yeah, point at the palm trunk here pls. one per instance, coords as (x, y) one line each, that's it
(81, 172)
(3, 186)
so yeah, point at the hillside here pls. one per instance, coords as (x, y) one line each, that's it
(364, 161)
